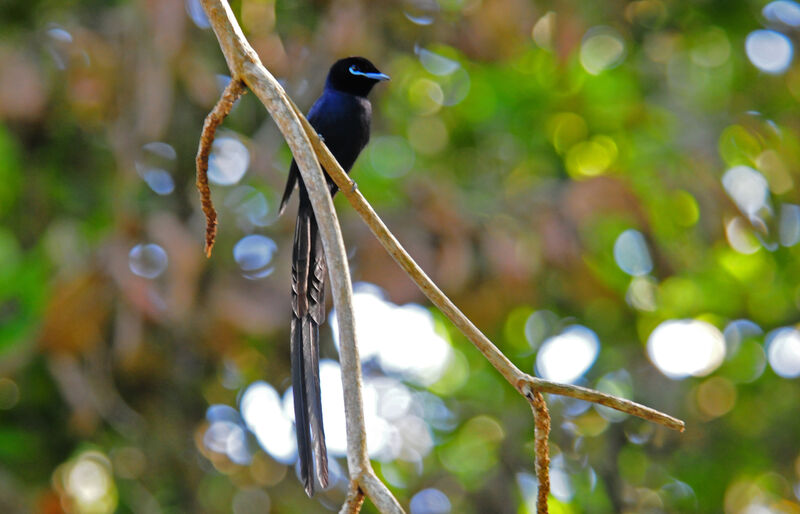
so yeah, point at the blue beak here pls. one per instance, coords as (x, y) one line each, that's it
(376, 76)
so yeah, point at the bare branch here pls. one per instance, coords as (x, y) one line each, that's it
(232, 92)
(541, 419)
(591, 395)
(379, 493)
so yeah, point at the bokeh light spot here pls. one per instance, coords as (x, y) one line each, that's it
(591, 158)
(602, 48)
(425, 96)
(197, 14)
(738, 331)
(455, 86)
(740, 236)
(631, 253)
(568, 355)
(747, 188)
(678, 497)
(420, 12)
(147, 260)
(711, 49)
(436, 64)
(330, 377)
(59, 45)
(716, 396)
(773, 166)
(783, 351)
(565, 129)
(642, 294)
(152, 166)
(263, 414)
(228, 161)
(783, 11)
(539, 326)
(544, 29)
(250, 206)
(160, 181)
(228, 438)
(789, 229)
(680, 348)
(163, 150)
(685, 210)
(737, 146)
(769, 51)
(560, 482)
(430, 501)
(88, 482)
(403, 338)
(253, 253)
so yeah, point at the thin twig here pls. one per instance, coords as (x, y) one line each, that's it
(380, 495)
(541, 422)
(591, 395)
(232, 92)
(506, 368)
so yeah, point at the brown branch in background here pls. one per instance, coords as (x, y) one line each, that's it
(541, 419)
(232, 92)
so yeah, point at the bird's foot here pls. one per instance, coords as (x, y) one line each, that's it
(354, 186)
(321, 137)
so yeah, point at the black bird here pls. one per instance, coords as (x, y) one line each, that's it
(341, 116)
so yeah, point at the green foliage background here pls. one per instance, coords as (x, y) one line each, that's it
(510, 180)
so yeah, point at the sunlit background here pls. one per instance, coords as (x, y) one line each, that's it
(606, 188)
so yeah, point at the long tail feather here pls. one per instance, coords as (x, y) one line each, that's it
(300, 264)
(308, 312)
(300, 400)
(316, 300)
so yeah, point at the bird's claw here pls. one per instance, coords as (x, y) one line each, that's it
(354, 187)
(321, 137)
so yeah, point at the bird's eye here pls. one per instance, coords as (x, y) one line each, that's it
(354, 69)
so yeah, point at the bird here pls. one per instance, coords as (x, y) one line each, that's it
(341, 116)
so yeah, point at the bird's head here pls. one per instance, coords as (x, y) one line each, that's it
(354, 75)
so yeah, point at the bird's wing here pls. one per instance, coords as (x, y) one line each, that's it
(322, 125)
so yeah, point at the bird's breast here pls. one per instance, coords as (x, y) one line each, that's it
(343, 120)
